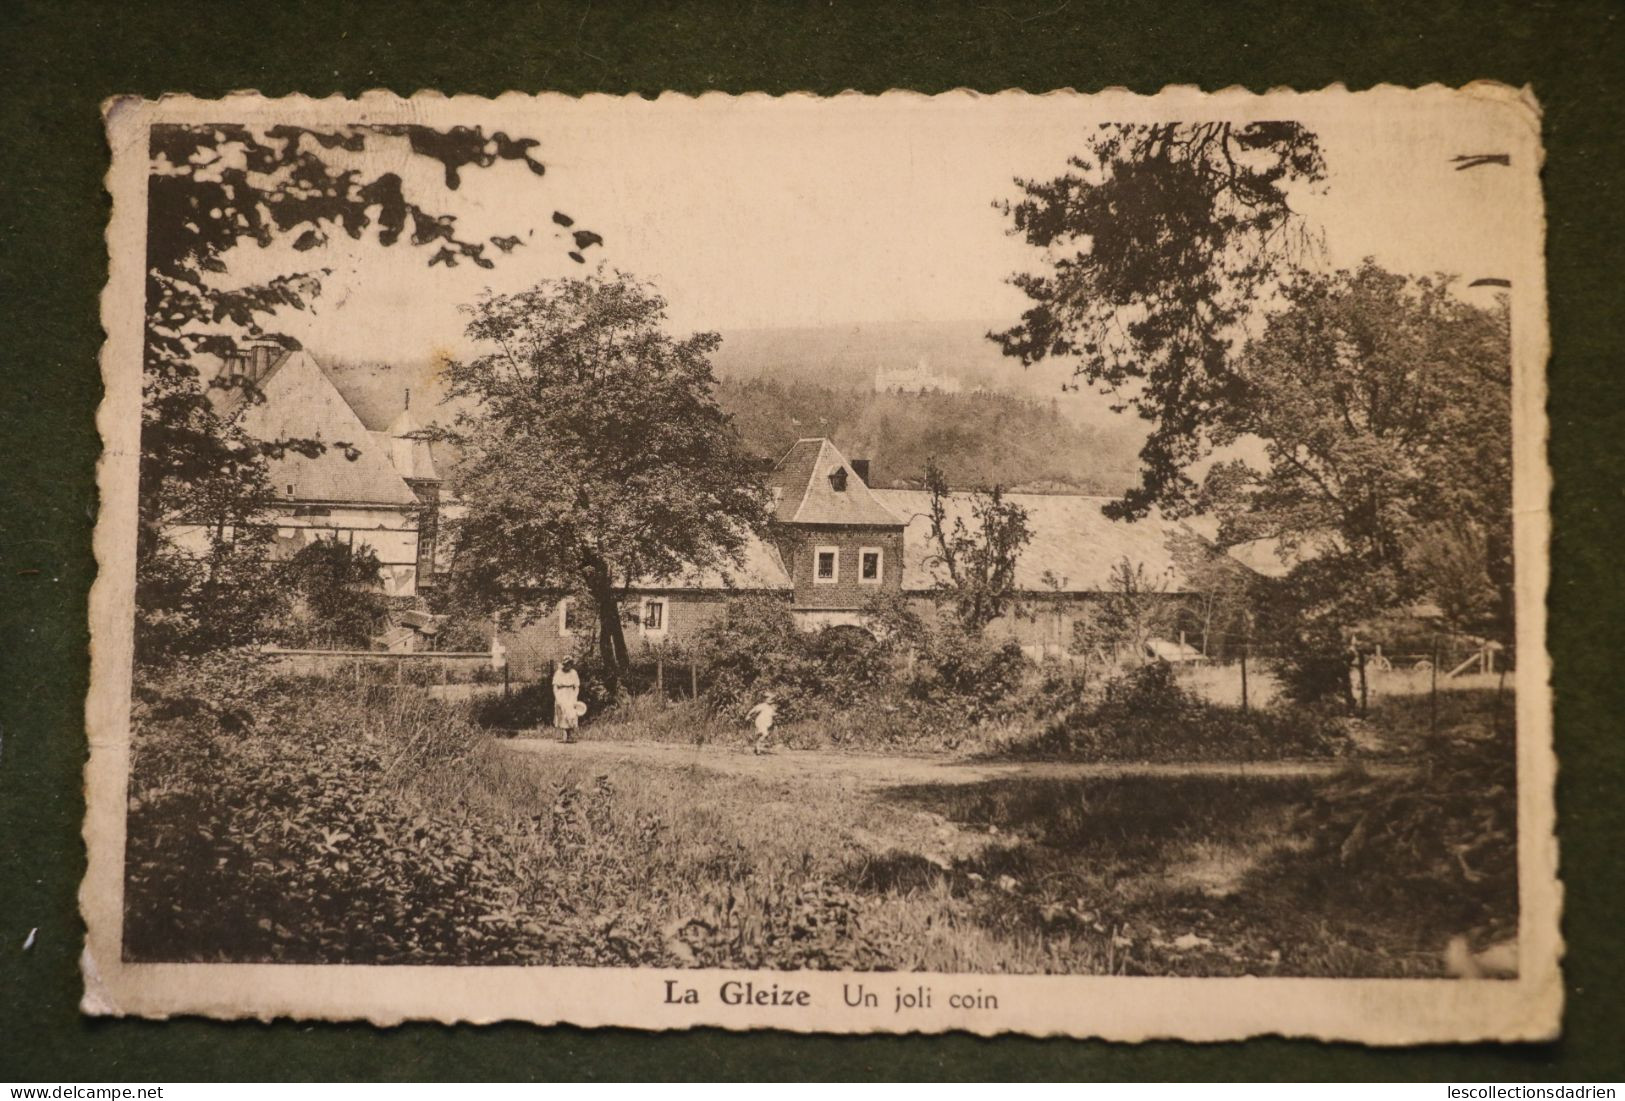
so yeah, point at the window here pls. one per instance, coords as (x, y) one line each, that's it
(654, 617)
(569, 617)
(826, 565)
(870, 562)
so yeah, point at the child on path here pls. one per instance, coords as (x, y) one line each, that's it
(763, 715)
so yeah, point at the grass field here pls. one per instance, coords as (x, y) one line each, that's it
(393, 830)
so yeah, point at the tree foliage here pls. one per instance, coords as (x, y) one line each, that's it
(340, 600)
(213, 188)
(980, 563)
(1216, 592)
(595, 453)
(1382, 405)
(1133, 610)
(1158, 245)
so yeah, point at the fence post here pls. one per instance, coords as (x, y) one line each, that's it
(1359, 654)
(693, 680)
(1433, 693)
(504, 680)
(1245, 646)
(660, 679)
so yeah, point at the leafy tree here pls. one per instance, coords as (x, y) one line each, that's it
(202, 585)
(1382, 407)
(981, 564)
(1134, 609)
(213, 188)
(1159, 244)
(1454, 560)
(595, 453)
(340, 598)
(1215, 592)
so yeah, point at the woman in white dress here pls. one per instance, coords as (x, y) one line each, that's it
(566, 689)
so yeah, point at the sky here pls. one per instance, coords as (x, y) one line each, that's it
(761, 213)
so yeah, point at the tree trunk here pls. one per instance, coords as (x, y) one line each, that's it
(611, 633)
(611, 637)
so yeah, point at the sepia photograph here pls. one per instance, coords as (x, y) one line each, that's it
(1057, 564)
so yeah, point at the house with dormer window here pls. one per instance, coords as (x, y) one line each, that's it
(834, 541)
(839, 543)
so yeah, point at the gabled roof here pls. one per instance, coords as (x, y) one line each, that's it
(301, 402)
(807, 495)
(1072, 541)
(1275, 557)
(410, 448)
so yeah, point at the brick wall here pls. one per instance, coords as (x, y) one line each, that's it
(799, 548)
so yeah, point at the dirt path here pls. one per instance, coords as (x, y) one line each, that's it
(874, 770)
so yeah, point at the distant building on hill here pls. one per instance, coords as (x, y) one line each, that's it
(918, 379)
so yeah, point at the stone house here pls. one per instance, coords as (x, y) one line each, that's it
(376, 489)
(834, 543)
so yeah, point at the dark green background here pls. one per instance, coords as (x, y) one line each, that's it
(62, 59)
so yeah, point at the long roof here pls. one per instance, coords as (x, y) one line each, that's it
(808, 496)
(762, 570)
(1073, 542)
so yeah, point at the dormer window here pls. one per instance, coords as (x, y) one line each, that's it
(837, 479)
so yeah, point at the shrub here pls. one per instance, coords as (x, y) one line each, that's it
(1309, 677)
(759, 648)
(340, 603)
(1439, 842)
(961, 669)
(1144, 715)
(527, 706)
(425, 671)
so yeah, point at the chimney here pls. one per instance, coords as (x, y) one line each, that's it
(256, 364)
(860, 467)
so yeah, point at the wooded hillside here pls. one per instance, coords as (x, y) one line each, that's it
(978, 438)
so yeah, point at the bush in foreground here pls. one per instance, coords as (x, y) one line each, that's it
(289, 822)
(1144, 715)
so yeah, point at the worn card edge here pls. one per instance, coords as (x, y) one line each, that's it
(115, 988)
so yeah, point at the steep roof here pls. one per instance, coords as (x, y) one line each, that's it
(410, 448)
(807, 494)
(1072, 541)
(762, 571)
(301, 402)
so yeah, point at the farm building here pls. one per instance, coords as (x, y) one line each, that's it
(835, 543)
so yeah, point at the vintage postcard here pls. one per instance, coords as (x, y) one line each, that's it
(1058, 564)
